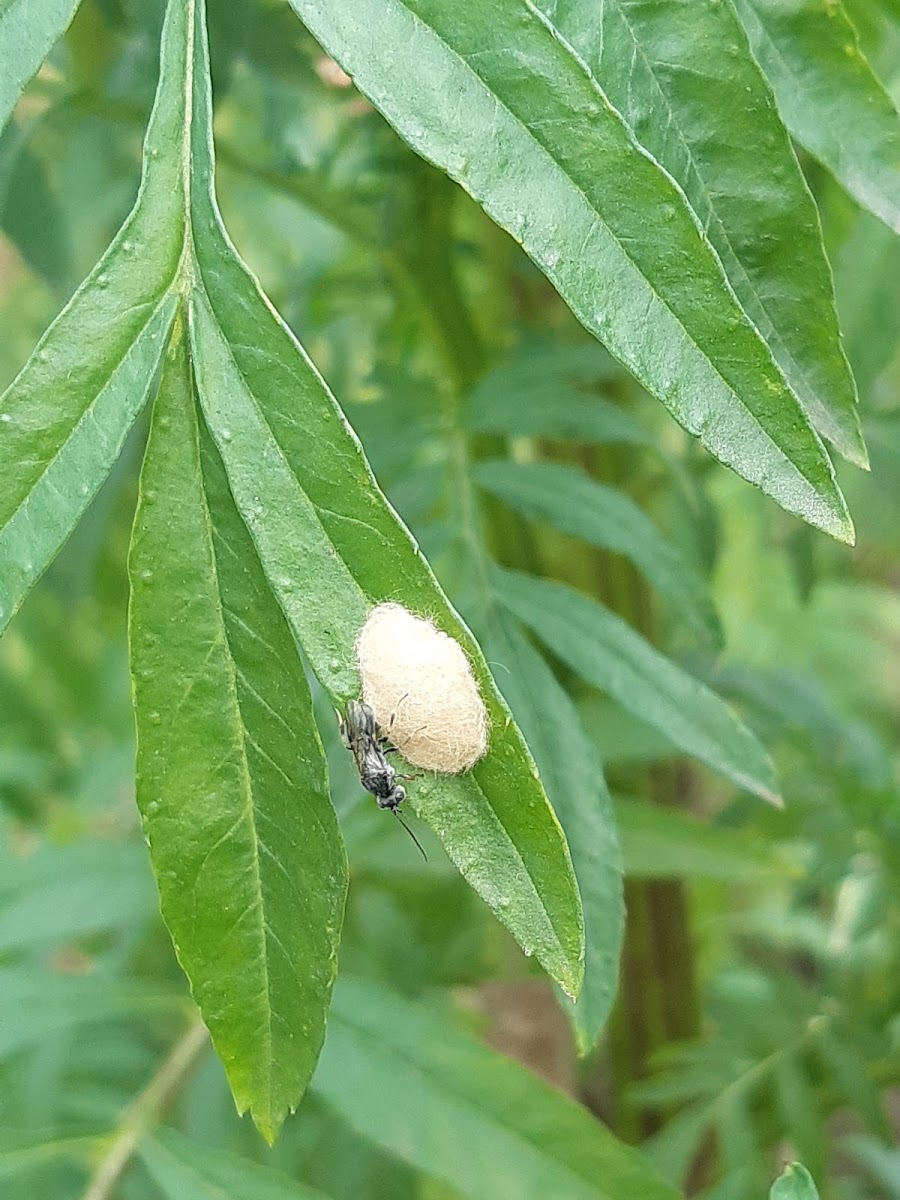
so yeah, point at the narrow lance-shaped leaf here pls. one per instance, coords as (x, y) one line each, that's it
(232, 782)
(64, 418)
(494, 95)
(573, 776)
(683, 78)
(70, 479)
(331, 547)
(829, 97)
(28, 29)
(603, 516)
(479, 1122)
(607, 653)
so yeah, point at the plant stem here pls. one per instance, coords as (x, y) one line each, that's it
(144, 1111)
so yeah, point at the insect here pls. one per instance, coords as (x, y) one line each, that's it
(370, 749)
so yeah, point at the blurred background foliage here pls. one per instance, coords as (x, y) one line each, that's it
(758, 1014)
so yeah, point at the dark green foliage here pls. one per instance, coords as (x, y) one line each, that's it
(674, 647)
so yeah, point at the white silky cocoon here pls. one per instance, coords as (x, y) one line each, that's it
(419, 684)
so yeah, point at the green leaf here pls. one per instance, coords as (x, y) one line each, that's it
(185, 1170)
(494, 821)
(232, 782)
(607, 653)
(797, 1102)
(467, 1117)
(573, 776)
(35, 1004)
(28, 30)
(867, 283)
(30, 212)
(72, 892)
(550, 391)
(331, 547)
(686, 84)
(881, 1162)
(33, 531)
(620, 736)
(661, 843)
(495, 96)
(21, 1153)
(64, 418)
(829, 97)
(795, 1184)
(247, 699)
(603, 516)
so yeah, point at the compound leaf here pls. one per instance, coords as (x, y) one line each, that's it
(493, 93)
(332, 547)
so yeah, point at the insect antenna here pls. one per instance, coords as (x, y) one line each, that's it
(411, 834)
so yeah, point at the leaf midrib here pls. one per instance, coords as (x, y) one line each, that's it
(186, 278)
(248, 814)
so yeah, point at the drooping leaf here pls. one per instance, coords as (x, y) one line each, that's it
(685, 82)
(186, 1170)
(331, 547)
(573, 776)
(607, 653)
(28, 29)
(829, 97)
(795, 1184)
(495, 96)
(603, 516)
(477, 1121)
(231, 782)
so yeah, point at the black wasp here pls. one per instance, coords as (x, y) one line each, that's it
(370, 749)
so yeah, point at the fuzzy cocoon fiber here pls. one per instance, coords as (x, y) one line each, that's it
(419, 684)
